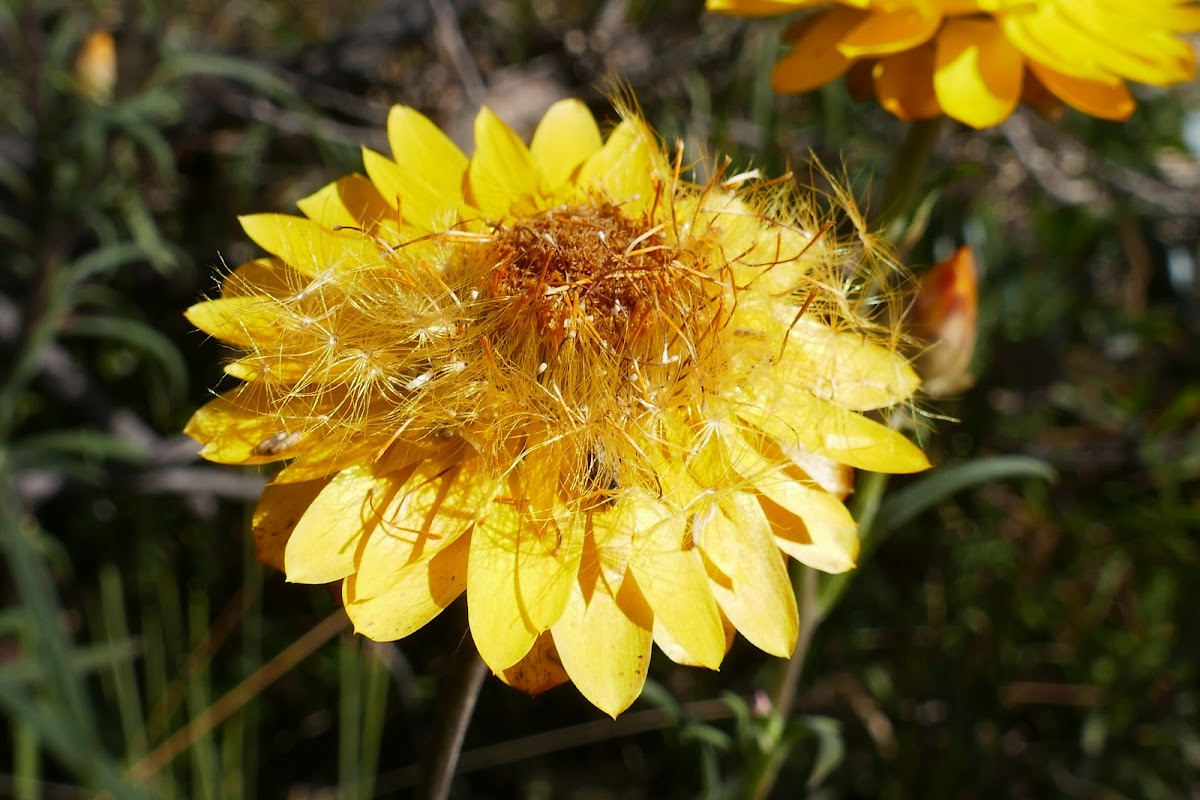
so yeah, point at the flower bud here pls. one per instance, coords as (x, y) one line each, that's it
(945, 320)
(96, 67)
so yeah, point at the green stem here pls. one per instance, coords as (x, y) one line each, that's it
(783, 698)
(868, 496)
(908, 169)
(811, 614)
(814, 599)
(451, 718)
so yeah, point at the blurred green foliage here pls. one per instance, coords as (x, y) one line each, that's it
(1018, 638)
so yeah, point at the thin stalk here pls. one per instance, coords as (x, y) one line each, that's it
(453, 715)
(783, 698)
(238, 696)
(909, 168)
(811, 614)
(868, 496)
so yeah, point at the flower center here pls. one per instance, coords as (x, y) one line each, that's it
(587, 276)
(594, 324)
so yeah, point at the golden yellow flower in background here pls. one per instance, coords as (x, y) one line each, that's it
(974, 60)
(601, 400)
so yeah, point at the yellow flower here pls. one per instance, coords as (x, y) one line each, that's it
(974, 60)
(598, 398)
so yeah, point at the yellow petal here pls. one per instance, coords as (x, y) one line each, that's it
(271, 367)
(977, 72)
(308, 247)
(426, 153)
(566, 137)
(810, 525)
(835, 478)
(904, 84)
(1103, 42)
(522, 570)
(1091, 97)
(416, 202)
(349, 202)
(671, 577)
(769, 255)
(758, 8)
(437, 502)
(613, 531)
(279, 508)
(418, 593)
(817, 426)
(604, 649)
(747, 574)
(540, 670)
(845, 368)
(246, 426)
(260, 276)
(245, 321)
(324, 545)
(325, 456)
(624, 169)
(502, 173)
(887, 32)
(815, 59)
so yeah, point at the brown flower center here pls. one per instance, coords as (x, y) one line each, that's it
(594, 326)
(589, 276)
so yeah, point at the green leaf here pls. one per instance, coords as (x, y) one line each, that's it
(703, 733)
(141, 337)
(154, 144)
(657, 695)
(28, 672)
(146, 233)
(903, 506)
(831, 749)
(105, 259)
(66, 448)
(942, 483)
(185, 65)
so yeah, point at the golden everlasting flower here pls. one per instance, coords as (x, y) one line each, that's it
(598, 398)
(974, 60)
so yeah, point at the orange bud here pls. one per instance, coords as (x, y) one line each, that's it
(945, 318)
(96, 67)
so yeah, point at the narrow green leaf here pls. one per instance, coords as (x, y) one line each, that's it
(155, 146)
(375, 694)
(63, 720)
(104, 260)
(944, 482)
(122, 673)
(186, 65)
(25, 673)
(349, 717)
(141, 337)
(706, 734)
(64, 448)
(146, 233)
(831, 749)
(658, 696)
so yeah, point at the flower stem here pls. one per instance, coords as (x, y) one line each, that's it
(452, 716)
(908, 169)
(783, 698)
(811, 614)
(815, 598)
